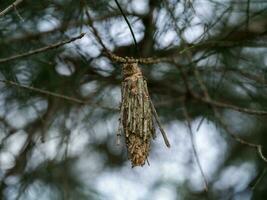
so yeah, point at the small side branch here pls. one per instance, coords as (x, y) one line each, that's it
(94, 30)
(56, 95)
(188, 119)
(164, 135)
(13, 5)
(229, 106)
(129, 25)
(45, 92)
(259, 148)
(41, 50)
(259, 179)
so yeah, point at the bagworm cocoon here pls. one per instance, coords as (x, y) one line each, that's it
(136, 118)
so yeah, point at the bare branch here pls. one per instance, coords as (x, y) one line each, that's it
(41, 50)
(259, 147)
(95, 32)
(188, 119)
(229, 106)
(164, 135)
(259, 179)
(13, 5)
(56, 95)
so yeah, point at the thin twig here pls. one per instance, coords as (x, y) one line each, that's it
(41, 50)
(259, 179)
(259, 147)
(248, 15)
(234, 136)
(164, 135)
(13, 5)
(129, 25)
(95, 32)
(17, 13)
(229, 106)
(188, 119)
(53, 94)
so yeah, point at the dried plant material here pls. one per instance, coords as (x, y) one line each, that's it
(136, 114)
(136, 118)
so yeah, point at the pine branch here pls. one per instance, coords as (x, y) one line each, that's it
(41, 50)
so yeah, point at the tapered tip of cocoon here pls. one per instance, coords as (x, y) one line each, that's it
(138, 150)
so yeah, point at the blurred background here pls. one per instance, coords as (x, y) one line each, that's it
(54, 148)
